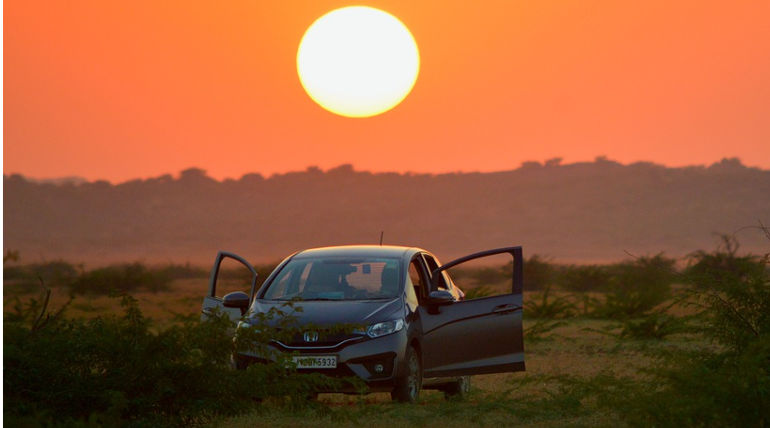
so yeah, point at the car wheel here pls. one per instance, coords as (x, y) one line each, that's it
(459, 388)
(408, 386)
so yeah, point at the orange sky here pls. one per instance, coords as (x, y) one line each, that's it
(119, 90)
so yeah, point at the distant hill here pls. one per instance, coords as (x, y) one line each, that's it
(594, 211)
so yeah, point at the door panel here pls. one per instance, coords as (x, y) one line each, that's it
(476, 336)
(213, 302)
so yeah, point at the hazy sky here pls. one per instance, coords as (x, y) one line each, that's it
(118, 90)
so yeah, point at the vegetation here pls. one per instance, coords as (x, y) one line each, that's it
(640, 342)
(635, 287)
(115, 369)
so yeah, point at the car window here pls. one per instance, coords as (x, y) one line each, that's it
(443, 281)
(416, 278)
(336, 279)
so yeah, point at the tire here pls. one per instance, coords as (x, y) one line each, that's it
(458, 389)
(408, 385)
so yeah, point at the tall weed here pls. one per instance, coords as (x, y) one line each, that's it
(118, 370)
(548, 307)
(728, 385)
(636, 287)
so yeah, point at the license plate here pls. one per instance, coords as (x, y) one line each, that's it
(316, 362)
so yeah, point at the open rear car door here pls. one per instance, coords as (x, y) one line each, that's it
(213, 303)
(476, 336)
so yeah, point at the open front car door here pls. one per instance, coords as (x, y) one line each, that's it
(473, 336)
(233, 304)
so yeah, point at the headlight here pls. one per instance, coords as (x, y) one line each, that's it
(383, 328)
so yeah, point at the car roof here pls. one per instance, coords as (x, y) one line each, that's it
(360, 251)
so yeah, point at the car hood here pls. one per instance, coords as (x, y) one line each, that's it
(330, 312)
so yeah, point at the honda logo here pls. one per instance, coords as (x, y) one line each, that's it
(310, 336)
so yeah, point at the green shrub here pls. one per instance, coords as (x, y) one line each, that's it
(733, 294)
(656, 326)
(118, 370)
(721, 268)
(636, 287)
(538, 273)
(726, 385)
(123, 278)
(584, 278)
(540, 330)
(475, 293)
(54, 274)
(547, 307)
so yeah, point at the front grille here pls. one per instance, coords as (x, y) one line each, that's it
(324, 340)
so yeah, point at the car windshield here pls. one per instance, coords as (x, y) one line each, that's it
(336, 279)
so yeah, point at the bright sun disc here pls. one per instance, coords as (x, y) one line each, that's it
(358, 61)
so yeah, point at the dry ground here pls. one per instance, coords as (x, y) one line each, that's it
(577, 348)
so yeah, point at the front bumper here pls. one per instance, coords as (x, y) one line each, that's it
(376, 361)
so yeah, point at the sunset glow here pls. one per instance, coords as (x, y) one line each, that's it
(358, 61)
(124, 90)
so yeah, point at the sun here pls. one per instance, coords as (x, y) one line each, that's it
(358, 61)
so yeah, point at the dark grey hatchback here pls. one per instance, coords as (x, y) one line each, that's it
(419, 331)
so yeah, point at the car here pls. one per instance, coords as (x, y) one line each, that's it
(419, 331)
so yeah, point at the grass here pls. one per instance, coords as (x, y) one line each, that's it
(533, 398)
(660, 364)
(544, 395)
(576, 348)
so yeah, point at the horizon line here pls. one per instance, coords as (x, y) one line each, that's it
(347, 166)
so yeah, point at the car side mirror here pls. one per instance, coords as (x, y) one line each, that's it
(440, 297)
(236, 299)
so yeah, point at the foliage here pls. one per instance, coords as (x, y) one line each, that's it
(547, 307)
(120, 278)
(724, 386)
(584, 278)
(475, 293)
(657, 325)
(636, 287)
(55, 274)
(540, 330)
(733, 293)
(538, 273)
(715, 270)
(117, 370)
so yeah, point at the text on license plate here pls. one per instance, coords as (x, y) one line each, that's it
(316, 362)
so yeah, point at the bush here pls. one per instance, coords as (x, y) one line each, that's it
(584, 278)
(728, 385)
(714, 271)
(733, 293)
(55, 274)
(545, 307)
(123, 278)
(636, 287)
(117, 370)
(656, 326)
(538, 273)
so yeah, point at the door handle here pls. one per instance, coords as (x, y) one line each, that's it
(502, 309)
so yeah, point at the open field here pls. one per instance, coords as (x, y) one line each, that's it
(534, 398)
(636, 343)
(580, 350)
